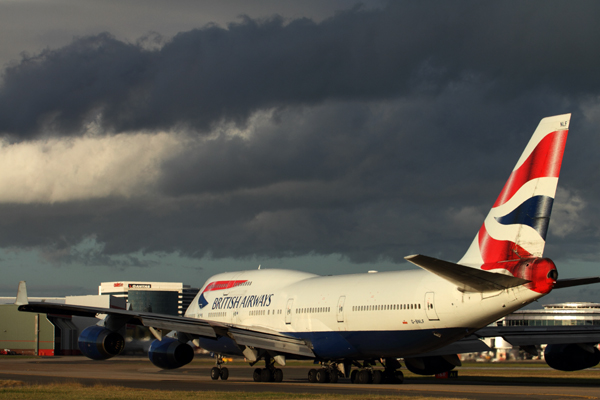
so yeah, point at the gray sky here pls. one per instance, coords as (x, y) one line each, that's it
(157, 140)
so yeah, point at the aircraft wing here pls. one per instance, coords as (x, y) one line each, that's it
(535, 335)
(521, 336)
(242, 335)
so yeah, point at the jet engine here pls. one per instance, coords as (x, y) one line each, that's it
(99, 343)
(571, 357)
(432, 365)
(170, 353)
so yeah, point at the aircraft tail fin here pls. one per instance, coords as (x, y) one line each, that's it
(516, 226)
(22, 294)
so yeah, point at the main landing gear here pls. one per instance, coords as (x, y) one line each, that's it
(328, 373)
(366, 374)
(376, 377)
(269, 373)
(219, 371)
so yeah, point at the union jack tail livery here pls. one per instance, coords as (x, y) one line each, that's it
(515, 228)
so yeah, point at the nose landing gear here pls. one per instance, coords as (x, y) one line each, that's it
(219, 371)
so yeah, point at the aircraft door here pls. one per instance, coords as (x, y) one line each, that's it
(340, 309)
(235, 312)
(288, 311)
(430, 306)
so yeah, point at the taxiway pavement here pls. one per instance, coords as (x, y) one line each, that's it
(138, 372)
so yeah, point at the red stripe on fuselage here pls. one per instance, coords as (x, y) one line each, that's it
(544, 161)
(221, 285)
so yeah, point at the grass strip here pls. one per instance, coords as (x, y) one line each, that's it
(74, 391)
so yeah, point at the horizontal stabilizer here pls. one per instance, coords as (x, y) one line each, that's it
(563, 283)
(467, 278)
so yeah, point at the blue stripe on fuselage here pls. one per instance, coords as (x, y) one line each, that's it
(358, 344)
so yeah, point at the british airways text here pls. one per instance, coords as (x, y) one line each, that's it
(221, 303)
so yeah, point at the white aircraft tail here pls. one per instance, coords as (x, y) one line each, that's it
(22, 294)
(516, 226)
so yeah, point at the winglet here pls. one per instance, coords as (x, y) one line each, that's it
(22, 294)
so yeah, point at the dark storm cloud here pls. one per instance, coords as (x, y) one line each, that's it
(240, 227)
(375, 179)
(213, 74)
(389, 181)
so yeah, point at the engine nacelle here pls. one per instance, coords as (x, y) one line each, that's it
(170, 353)
(99, 343)
(431, 365)
(571, 357)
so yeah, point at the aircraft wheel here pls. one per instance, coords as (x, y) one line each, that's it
(399, 377)
(266, 375)
(278, 375)
(312, 376)
(353, 376)
(224, 373)
(322, 375)
(388, 376)
(364, 377)
(333, 376)
(257, 375)
(377, 377)
(214, 373)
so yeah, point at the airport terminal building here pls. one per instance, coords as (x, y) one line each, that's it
(562, 314)
(172, 298)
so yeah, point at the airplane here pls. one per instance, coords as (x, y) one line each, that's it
(349, 323)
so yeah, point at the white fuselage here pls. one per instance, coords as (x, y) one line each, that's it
(359, 315)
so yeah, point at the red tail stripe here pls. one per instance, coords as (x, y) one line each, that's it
(544, 161)
(493, 250)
